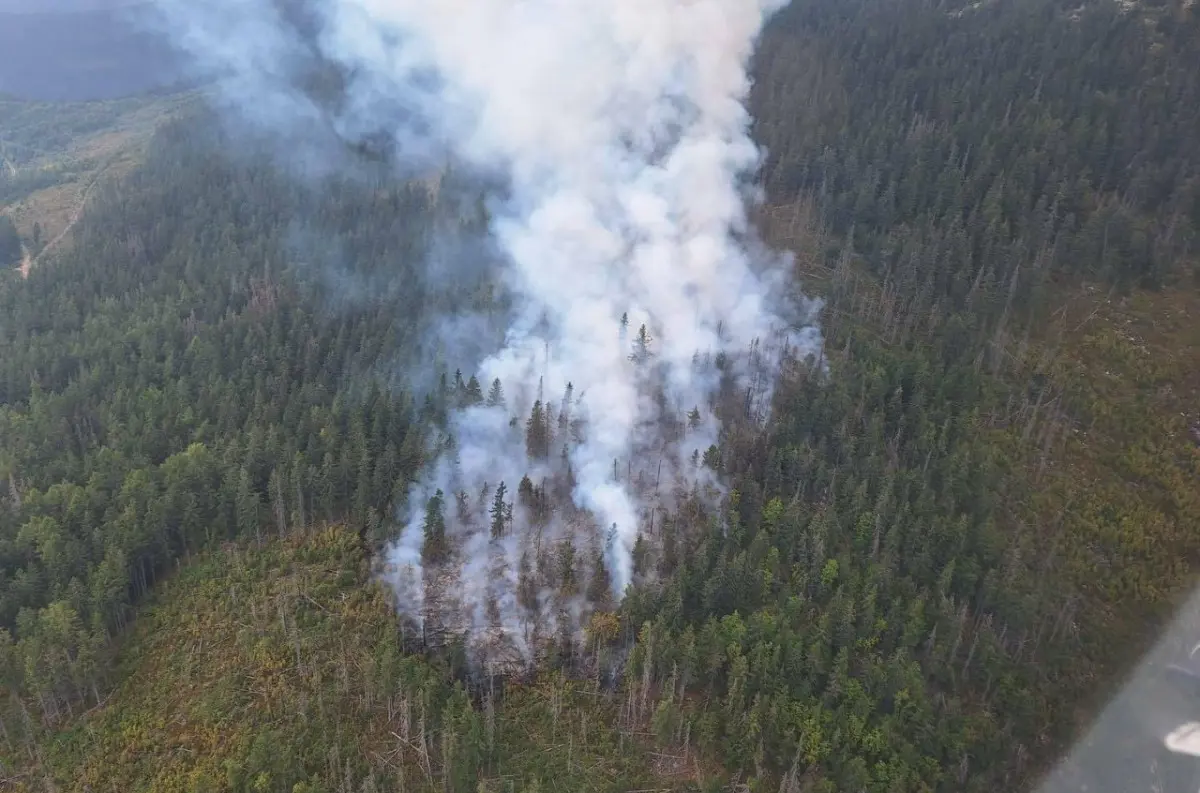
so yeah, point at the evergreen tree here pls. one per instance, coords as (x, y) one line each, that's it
(599, 591)
(641, 347)
(495, 397)
(474, 395)
(501, 512)
(568, 575)
(435, 549)
(537, 433)
(525, 493)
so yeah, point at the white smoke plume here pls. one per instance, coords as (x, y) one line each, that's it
(620, 130)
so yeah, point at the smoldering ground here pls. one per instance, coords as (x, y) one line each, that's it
(635, 304)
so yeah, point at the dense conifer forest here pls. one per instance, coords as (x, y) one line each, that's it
(932, 563)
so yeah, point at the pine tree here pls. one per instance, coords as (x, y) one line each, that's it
(641, 554)
(501, 512)
(278, 501)
(299, 513)
(527, 589)
(641, 346)
(495, 397)
(669, 560)
(568, 471)
(525, 493)
(564, 413)
(474, 394)
(481, 502)
(599, 591)
(462, 505)
(434, 549)
(567, 575)
(247, 507)
(537, 433)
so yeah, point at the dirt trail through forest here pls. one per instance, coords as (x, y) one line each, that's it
(26, 260)
(28, 263)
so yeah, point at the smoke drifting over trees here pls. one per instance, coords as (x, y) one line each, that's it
(641, 323)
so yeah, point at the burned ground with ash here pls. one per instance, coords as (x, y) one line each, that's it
(506, 564)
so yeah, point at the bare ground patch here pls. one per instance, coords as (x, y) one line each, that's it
(110, 153)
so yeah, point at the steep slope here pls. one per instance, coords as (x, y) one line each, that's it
(932, 565)
(280, 669)
(1003, 205)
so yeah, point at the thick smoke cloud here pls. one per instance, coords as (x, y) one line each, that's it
(620, 132)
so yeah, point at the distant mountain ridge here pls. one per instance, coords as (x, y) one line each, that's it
(62, 6)
(74, 50)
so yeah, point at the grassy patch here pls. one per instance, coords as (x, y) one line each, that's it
(52, 155)
(280, 669)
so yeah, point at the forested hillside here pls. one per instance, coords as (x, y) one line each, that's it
(935, 560)
(280, 668)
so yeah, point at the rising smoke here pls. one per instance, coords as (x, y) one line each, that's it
(619, 130)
